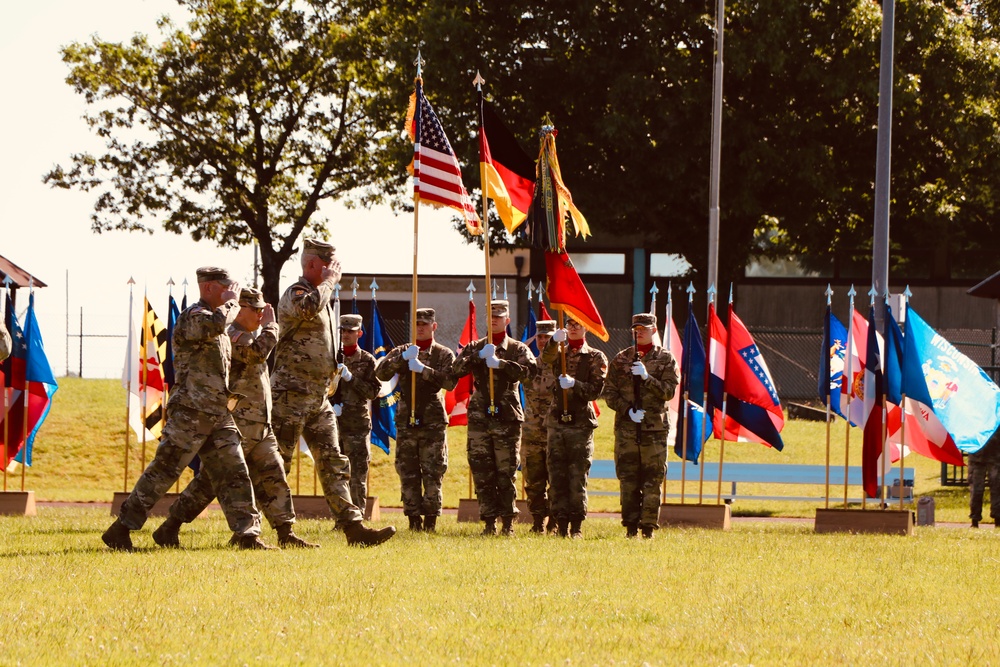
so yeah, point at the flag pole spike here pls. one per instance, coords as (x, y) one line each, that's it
(374, 288)
(654, 290)
(711, 293)
(829, 294)
(496, 286)
(419, 62)
(471, 289)
(504, 289)
(670, 293)
(354, 288)
(336, 291)
(478, 81)
(907, 293)
(541, 292)
(852, 292)
(531, 288)
(131, 280)
(730, 294)
(690, 291)
(872, 293)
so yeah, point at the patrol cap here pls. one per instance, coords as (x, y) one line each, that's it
(644, 320)
(350, 322)
(321, 249)
(545, 327)
(425, 315)
(209, 274)
(252, 298)
(500, 309)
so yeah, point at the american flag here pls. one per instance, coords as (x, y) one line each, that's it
(437, 178)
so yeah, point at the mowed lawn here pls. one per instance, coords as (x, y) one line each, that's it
(763, 593)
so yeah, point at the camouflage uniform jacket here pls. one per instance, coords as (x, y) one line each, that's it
(516, 364)
(538, 396)
(355, 418)
(249, 372)
(654, 391)
(436, 376)
(202, 354)
(303, 358)
(589, 367)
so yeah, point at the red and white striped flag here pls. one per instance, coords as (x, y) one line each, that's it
(437, 178)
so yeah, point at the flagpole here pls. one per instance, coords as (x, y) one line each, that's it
(484, 185)
(886, 452)
(143, 345)
(826, 380)
(902, 435)
(413, 295)
(684, 425)
(27, 394)
(708, 365)
(6, 404)
(128, 389)
(848, 377)
(166, 388)
(725, 394)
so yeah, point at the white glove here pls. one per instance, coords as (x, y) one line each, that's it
(493, 362)
(639, 368)
(489, 350)
(411, 352)
(636, 415)
(559, 336)
(416, 366)
(566, 382)
(345, 373)
(338, 408)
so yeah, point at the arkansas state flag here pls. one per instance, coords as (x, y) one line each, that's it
(872, 392)
(509, 172)
(753, 410)
(456, 401)
(567, 293)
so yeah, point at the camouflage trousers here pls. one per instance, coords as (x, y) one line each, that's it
(979, 470)
(640, 469)
(535, 470)
(493, 456)
(270, 488)
(216, 440)
(358, 450)
(570, 452)
(298, 415)
(421, 461)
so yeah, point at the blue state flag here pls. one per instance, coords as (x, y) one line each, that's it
(40, 378)
(377, 343)
(173, 312)
(831, 361)
(963, 397)
(528, 338)
(691, 420)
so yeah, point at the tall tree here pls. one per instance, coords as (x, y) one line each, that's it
(237, 126)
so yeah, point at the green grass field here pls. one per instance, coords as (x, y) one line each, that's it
(763, 593)
(80, 456)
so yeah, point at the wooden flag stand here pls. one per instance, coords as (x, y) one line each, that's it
(885, 522)
(316, 507)
(695, 516)
(161, 508)
(468, 508)
(17, 503)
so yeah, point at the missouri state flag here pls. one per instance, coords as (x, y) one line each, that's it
(508, 172)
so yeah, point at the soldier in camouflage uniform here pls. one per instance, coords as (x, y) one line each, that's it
(534, 438)
(199, 421)
(571, 429)
(495, 435)
(641, 426)
(249, 375)
(985, 463)
(356, 386)
(304, 366)
(421, 446)
(4, 341)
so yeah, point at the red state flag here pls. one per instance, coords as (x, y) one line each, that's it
(456, 401)
(567, 293)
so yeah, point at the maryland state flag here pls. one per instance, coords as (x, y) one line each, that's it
(143, 375)
(567, 293)
(508, 173)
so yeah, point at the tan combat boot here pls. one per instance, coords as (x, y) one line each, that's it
(360, 536)
(288, 539)
(117, 536)
(168, 534)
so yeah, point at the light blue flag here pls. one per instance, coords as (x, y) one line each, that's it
(964, 398)
(378, 344)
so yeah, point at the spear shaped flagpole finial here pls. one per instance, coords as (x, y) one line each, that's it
(872, 293)
(907, 293)
(419, 62)
(374, 288)
(711, 293)
(852, 293)
(690, 291)
(336, 291)
(541, 291)
(478, 81)
(131, 281)
(354, 288)
(654, 290)
(170, 282)
(471, 289)
(829, 294)
(504, 289)
(496, 286)
(530, 288)
(7, 281)
(670, 292)
(730, 293)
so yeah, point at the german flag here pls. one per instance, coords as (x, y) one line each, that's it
(508, 172)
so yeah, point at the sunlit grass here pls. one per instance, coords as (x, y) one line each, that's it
(760, 594)
(79, 456)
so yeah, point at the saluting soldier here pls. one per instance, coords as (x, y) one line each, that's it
(421, 444)
(495, 420)
(534, 437)
(571, 426)
(642, 378)
(304, 365)
(253, 418)
(356, 386)
(199, 421)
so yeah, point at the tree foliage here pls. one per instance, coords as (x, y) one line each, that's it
(237, 126)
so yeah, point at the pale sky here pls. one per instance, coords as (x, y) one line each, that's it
(47, 232)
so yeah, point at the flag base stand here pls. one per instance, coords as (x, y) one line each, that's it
(885, 522)
(468, 510)
(161, 508)
(17, 503)
(695, 516)
(372, 510)
(311, 507)
(523, 515)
